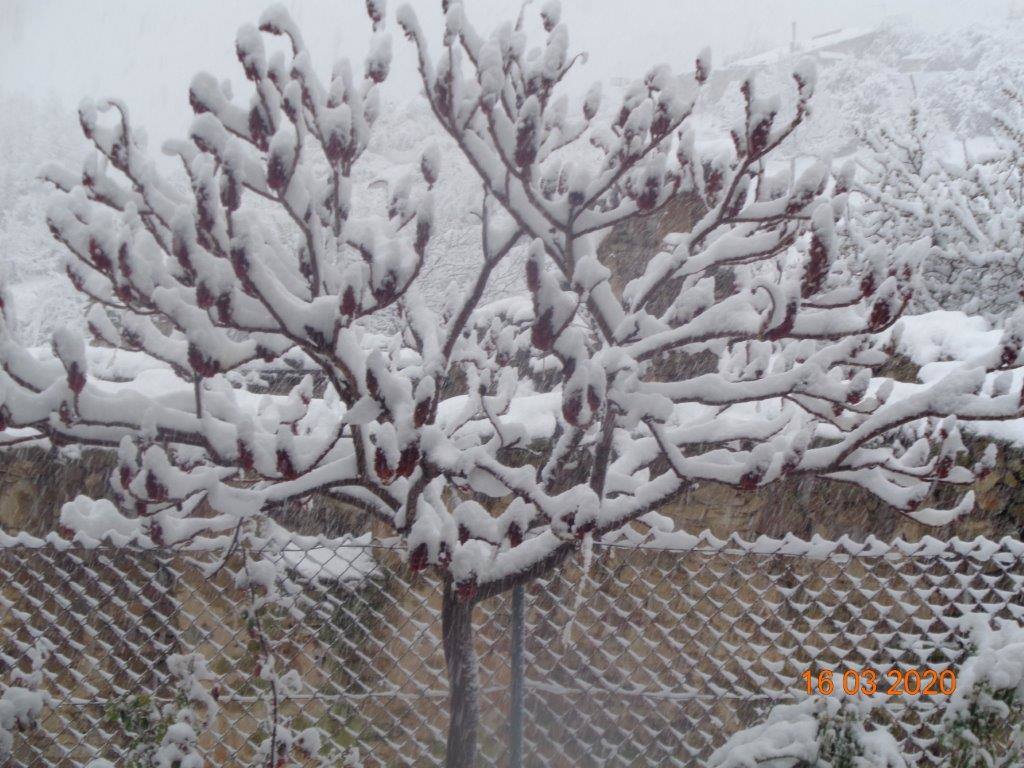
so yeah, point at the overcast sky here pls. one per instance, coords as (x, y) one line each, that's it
(146, 51)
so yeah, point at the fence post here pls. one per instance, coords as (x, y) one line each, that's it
(515, 715)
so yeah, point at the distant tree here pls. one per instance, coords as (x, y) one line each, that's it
(412, 425)
(34, 132)
(400, 138)
(852, 93)
(958, 74)
(968, 214)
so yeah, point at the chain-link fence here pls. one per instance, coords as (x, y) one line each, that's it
(651, 658)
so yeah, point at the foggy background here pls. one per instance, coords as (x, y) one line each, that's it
(950, 57)
(145, 52)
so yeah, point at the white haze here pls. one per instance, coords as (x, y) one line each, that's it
(145, 52)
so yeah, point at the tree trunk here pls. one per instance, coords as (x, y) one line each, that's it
(460, 658)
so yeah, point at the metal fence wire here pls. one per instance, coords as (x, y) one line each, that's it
(650, 658)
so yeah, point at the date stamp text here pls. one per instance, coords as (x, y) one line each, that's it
(894, 682)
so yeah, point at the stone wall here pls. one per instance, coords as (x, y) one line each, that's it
(34, 483)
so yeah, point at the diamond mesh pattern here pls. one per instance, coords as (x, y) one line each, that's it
(651, 659)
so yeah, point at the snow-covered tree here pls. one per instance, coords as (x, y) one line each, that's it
(969, 212)
(428, 427)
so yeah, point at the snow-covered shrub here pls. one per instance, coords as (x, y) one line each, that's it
(983, 725)
(24, 698)
(818, 732)
(265, 263)
(967, 212)
(140, 724)
(166, 736)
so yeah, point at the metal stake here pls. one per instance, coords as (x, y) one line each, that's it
(515, 715)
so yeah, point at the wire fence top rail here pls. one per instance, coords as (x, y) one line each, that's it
(816, 547)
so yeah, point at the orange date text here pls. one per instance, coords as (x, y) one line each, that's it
(894, 682)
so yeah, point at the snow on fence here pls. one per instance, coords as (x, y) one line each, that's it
(653, 657)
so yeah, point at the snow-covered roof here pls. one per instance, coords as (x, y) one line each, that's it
(818, 44)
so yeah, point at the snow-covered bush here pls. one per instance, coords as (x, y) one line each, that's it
(262, 559)
(23, 700)
(969, 212)
(818, 732)
(166, 736)
(415, 415)
(983, 725)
